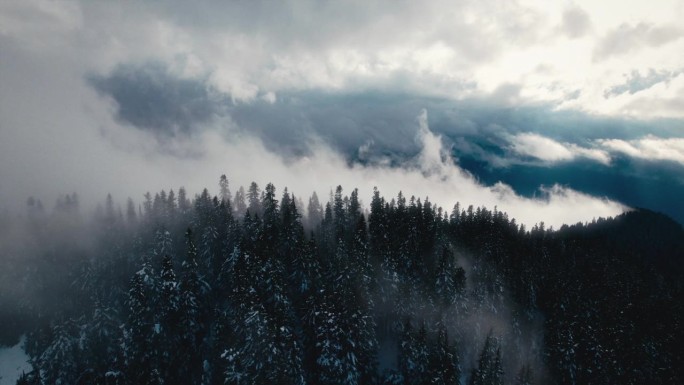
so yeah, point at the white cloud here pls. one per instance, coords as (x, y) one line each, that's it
(433, 157)
(540, 147)
(269, 97)
(648, 148)
(551, 151)
(428, 174)
(595, 154)
(431, 48)
(576, 22)
(628, 38)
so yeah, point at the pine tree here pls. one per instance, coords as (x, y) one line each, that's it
(407, 359)
(171, 207)
(140, 334)
(266, 349)
(207, 221)
(254, 199)
(183, 202)
(224, 190)
(131, 216)
(360, 260)
(339, 216)
(60, 362)
(227, 238)
(269, 241)
(445, 287)
(444, 364)
(100, 341)
(489, 369)
(168, 322)
(239, 203)
(525, 376)
(377, 227)
(339, 333)
(315, 211)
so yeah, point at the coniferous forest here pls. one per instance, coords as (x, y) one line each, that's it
(263, 287)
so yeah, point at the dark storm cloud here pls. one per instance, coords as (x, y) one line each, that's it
(564, 125)
(150, 98)
(344, 121)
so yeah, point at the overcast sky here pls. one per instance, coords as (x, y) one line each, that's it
(556, 111)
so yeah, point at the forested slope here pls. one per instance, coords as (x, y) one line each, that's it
(247, 288)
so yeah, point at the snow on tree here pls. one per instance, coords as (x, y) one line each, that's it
(489, 370)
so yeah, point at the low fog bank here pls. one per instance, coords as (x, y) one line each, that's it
(135, 162)
(70, 138)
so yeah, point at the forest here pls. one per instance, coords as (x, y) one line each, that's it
(263, 287)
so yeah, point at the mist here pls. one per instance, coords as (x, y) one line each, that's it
(82, 147)
(101, 98)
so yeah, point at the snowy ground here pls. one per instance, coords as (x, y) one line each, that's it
(13, 361)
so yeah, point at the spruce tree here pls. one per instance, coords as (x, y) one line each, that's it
(489, 370)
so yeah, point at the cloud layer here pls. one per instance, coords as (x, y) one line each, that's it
(128, 97)
(568, 55)
(649, 148)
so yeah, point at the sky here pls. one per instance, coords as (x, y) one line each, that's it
(553, 111)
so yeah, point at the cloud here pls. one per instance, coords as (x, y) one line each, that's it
(648, 98)
(432, 158)
(150, 98)
(594, 154)
(576, 22)
(635, 82)
(664, 99)
(629, 38)
(551, 151)
(540, 147)
(430, 173)
(649, 148)
(448, 49)
(77, 144)
(155, 94)
(39, 25)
